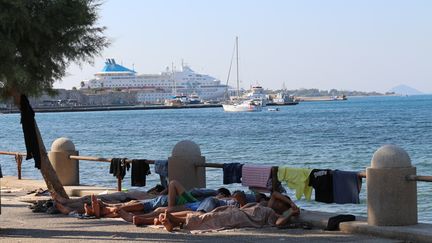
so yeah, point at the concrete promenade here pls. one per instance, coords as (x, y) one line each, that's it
(19, 224)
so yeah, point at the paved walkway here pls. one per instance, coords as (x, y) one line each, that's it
(19, 224)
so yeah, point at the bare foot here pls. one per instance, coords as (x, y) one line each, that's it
(156, 221)
(88, 209)
(95, 206)
(166, 222)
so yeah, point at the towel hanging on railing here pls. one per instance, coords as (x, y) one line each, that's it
(297, 179)
(255, 176)
(29, 129)
(346, 186)
(118, 167)
(161, 168)
(139, 173)
(232, 173)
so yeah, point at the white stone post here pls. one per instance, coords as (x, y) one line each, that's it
(391, 199)
(67, 169)
(182, 165)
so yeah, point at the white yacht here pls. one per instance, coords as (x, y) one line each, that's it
(239, 104)
(156, 88)
(257, 94)
(242, 106)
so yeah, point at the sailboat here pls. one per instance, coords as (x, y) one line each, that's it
(237, 104)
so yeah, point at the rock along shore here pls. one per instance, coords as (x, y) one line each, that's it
(19, 224)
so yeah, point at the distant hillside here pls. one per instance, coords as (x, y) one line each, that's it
(332, 92)
(405, 90)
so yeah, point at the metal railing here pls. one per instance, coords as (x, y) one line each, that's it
(19, 158)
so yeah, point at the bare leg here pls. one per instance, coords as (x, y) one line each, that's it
(128, 217)
(95, 206)
(132, 207)
(63, 209)
(142, 220)
(174, 189)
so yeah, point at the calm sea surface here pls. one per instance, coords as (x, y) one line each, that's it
(336, 135)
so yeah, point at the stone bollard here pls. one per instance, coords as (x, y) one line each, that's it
(67, 169)
(181, 165)
(391, 199)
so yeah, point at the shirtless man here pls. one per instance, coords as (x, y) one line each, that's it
(284, 206)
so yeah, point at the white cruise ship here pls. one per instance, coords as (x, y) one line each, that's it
(156, 88)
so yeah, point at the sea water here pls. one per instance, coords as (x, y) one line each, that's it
(336, 135)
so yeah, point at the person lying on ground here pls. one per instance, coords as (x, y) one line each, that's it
(66, 206)
(99, 208)
(284, 206)
(199, 207)
(250, 215)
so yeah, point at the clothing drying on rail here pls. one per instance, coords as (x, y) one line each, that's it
(140, 170)
(118, 167)
(322, 182)
(346, 186)
(29, 129)
(161, 168)
(255, 176)
(232, 173)
(296, 179)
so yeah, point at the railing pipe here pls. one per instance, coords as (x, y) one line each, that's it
(209, 165)
(419, 178)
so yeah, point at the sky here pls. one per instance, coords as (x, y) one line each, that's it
(346, 45)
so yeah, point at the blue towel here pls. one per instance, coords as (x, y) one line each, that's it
(232, 173)
(346, 187)
(161, 167)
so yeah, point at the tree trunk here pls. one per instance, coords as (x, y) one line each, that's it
(49, 174)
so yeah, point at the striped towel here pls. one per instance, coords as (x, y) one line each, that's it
(255, 176)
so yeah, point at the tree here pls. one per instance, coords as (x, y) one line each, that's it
(39, 39)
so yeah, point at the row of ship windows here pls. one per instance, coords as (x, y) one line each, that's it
(159, 96)
(120, 85)
(163, 80)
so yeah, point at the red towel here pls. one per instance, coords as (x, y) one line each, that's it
(255, 176)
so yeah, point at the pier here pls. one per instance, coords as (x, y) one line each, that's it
(380, 226)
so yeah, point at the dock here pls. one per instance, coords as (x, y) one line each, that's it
(111, 108)
(19, 224)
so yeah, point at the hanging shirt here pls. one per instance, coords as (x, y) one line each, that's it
(322, 182)
(255, 176)
(140, 170)
(232, 173)
(296, 179)
(29, 129)
(346, 186)
(118, 167)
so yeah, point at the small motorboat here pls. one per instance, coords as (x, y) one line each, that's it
(273, 109)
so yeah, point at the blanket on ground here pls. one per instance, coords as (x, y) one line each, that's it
(226, 217)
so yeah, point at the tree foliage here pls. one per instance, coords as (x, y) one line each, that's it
(40, 38)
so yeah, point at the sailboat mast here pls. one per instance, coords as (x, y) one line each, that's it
(238, 82)
(173, 78)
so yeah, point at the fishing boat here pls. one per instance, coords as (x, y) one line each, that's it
(238, 104)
